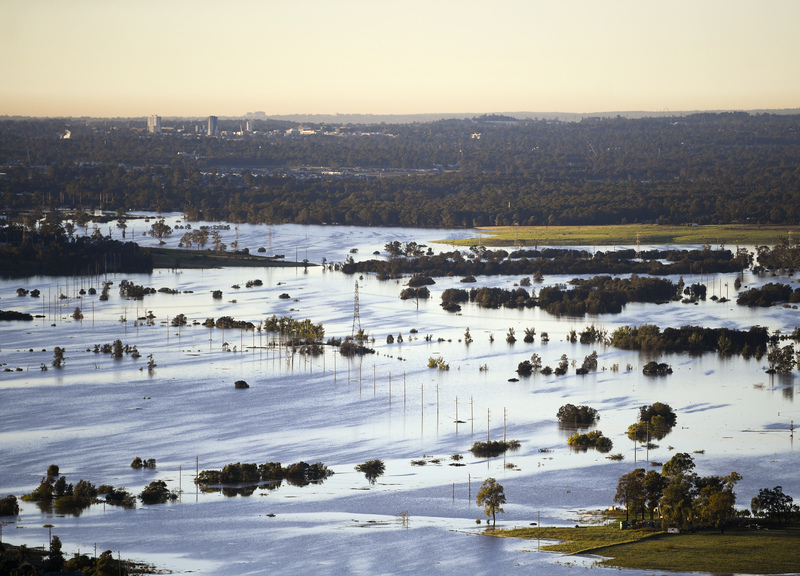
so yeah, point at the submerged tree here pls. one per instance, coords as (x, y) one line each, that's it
(492, 497)
(372, 469)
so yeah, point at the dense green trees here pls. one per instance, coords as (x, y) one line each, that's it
(479, 261)
(593, 439)
(31, 253)
(597, 295)
(684, 498)
(157, 492)
(695, 339)
(774, 504)
(768, 294)
(571, 415)
(9, 506)
(631, 493)
(54, 491)
(655, 422)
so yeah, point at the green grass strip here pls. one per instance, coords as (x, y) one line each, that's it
(743, 552)
(730, 235)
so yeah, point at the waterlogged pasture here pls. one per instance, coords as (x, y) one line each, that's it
(96, 414)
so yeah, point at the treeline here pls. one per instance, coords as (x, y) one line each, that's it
(693, 339)
(768, 294)
(537, 263)
(683, 498)
(604, 295)
(31, 253)
(597, 295)
(239, 473)
(704, 168)
(781, 256)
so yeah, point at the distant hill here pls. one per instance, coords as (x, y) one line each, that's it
(507, 116)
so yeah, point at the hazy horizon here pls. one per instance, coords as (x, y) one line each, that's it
(199, 58)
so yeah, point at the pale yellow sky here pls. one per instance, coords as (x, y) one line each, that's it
(202, 57)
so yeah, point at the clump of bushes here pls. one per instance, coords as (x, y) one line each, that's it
(418, 280)
(421, 293)
(593, 439)
(493, 448)
(653, 368)
(372, 469)
(438, 363)
(139, 463)
(9, 506)
(572, 415)
(243, 473)
(117, 496)
(157, 493)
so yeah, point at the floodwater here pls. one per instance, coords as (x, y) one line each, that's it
(96, 414)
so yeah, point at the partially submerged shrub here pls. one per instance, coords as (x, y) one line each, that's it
(593, 439)
(372, 469)
(493, 447)
(570, 414)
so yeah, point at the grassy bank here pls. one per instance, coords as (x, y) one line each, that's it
(578, 540)
(730, 235)
(174, 258)
(743, 552)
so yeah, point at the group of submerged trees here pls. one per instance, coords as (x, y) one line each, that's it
(677, 496)
(299, 474)
(683, 499)
(477, 261)
(597, 295)
(54, 492)
(655, 421)
(755, 342)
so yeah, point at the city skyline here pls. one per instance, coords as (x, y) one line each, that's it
(182, 59)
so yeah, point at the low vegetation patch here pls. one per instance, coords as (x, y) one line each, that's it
(493, 448)
(741, 552)
(593, 439)
(571, 415)
(581, 540)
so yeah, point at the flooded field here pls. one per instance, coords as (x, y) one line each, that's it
(94, 415)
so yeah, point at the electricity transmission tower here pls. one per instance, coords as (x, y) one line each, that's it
(356, 314)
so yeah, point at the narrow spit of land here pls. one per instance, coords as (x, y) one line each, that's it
(175, 258)
(735, 551)
(628, 235)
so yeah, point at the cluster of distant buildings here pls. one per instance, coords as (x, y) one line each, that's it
(303, 131)
(154, 125)
(212, 129)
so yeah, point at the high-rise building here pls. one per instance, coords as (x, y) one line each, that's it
(213, 128)
(154, 125)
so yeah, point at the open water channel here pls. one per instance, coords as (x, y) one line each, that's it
(96, 414)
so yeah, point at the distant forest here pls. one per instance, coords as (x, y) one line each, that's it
(708, 168)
